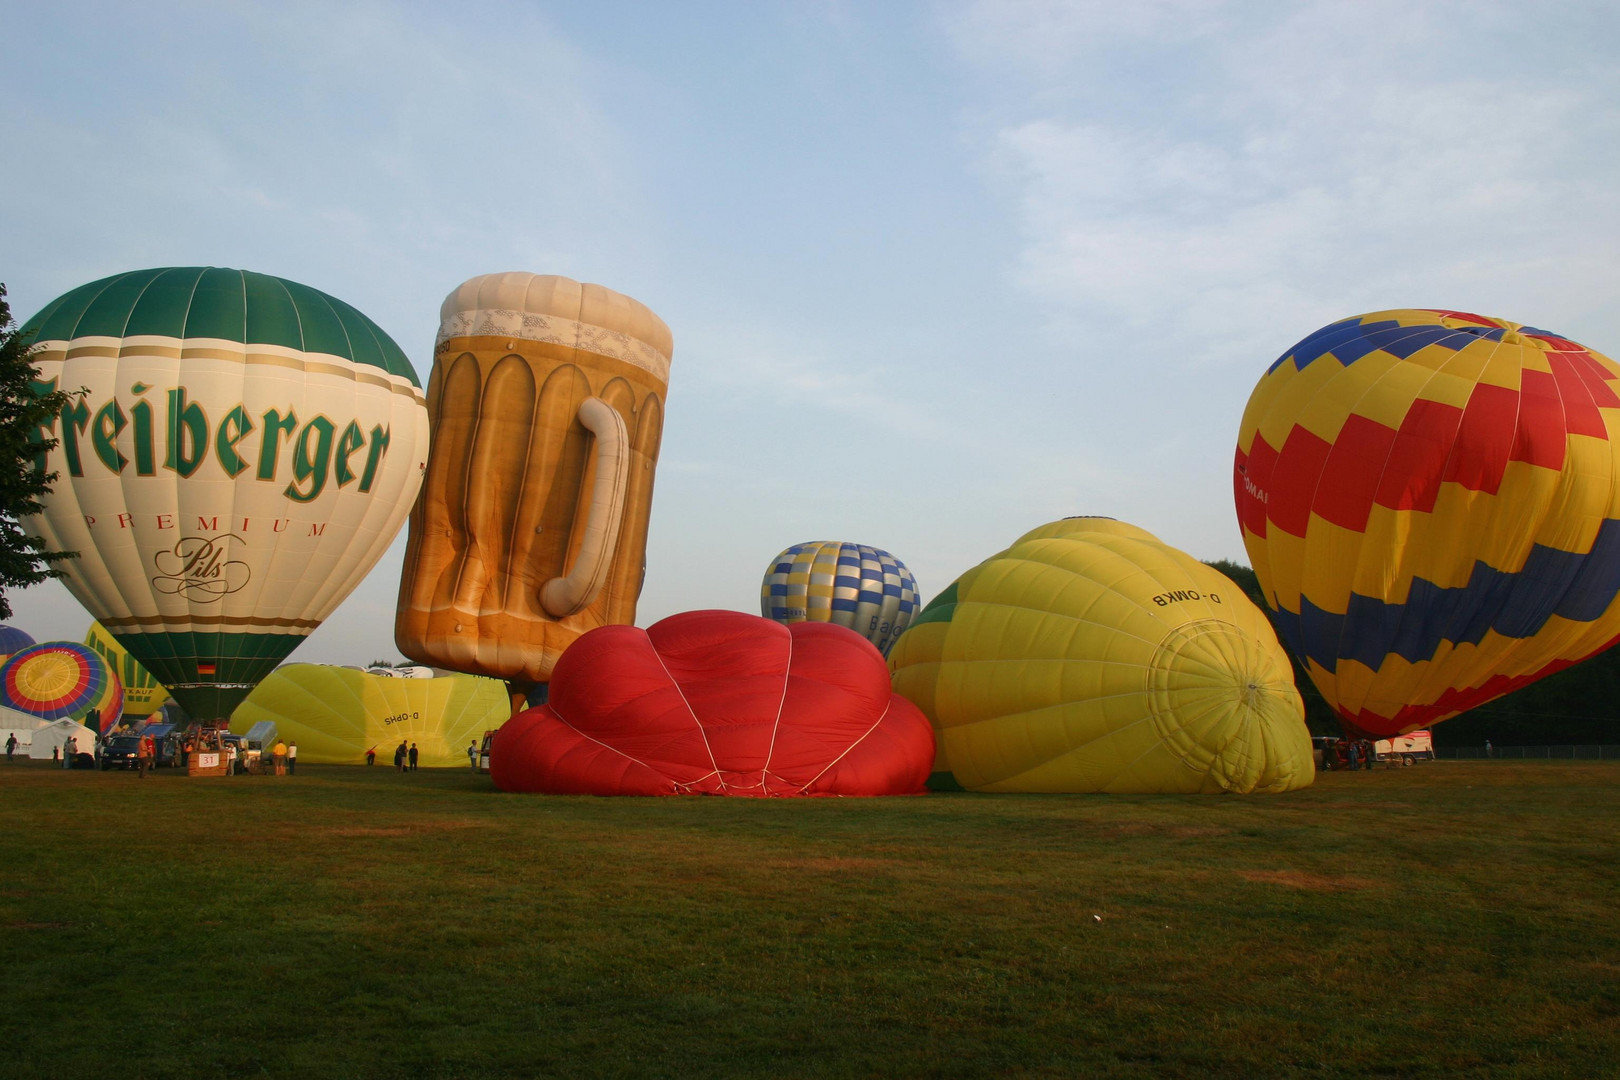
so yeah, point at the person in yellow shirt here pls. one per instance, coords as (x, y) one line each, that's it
(280, 752)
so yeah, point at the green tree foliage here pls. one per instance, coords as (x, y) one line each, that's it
(28, 410)
(1580, 704)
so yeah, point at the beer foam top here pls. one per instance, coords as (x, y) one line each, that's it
(561, 311)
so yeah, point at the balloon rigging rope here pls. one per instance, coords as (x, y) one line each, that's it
(584, 735)
(764, 772)
(848, 749)
(693, 714)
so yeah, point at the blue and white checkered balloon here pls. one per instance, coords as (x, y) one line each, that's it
(852, 585)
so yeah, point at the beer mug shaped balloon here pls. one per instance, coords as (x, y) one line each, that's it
(546, 408)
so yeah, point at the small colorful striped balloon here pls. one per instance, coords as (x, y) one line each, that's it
(59, 680)
(862, 588)
(1431, 501)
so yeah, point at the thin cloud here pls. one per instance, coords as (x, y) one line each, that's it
(1340, 178)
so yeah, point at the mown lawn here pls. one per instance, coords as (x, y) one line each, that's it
(1451, 919)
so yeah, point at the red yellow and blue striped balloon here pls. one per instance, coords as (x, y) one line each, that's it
(59, 680)
(1431, 501)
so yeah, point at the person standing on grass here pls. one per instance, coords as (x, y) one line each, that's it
(292, 758)
(11, 747)
(143, 756)
(472, 754)
(413, 757)
(71, 752)
(371, 756)
(399, 757)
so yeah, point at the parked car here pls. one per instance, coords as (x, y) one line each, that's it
(120, 751)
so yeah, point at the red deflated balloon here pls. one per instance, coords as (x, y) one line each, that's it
(718, 703)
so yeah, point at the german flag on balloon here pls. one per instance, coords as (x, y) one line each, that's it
(1430, 501)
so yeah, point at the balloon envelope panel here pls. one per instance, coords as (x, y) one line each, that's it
(861, 588)
(717, 703)
(247, 449)
(1091, 657)
(336, 714)
(62, 680)
(1430, 501)
(143, 695)
(13, 640)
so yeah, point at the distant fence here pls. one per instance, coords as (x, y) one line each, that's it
(1586, 752)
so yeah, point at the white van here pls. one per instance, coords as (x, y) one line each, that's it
(1413, 746)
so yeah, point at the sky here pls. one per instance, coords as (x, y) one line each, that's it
(937, 273)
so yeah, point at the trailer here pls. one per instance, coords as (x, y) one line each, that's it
(1405, 749)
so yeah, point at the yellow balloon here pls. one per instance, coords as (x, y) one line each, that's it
(143, 695)
(335, 714)
(1089, 657)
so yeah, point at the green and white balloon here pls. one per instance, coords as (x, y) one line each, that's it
(246, 449)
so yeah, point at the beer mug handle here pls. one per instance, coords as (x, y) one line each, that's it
(572, 593)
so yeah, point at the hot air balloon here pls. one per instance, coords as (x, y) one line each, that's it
(13, 640)
(143, 695)
(717, 703)
(1429, 499)
(62, 680)
(246, 450)
(547, 403)
(1092, 657)
(864, 589)
(335, 714)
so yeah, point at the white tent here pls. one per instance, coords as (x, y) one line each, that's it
(57, 733)
(21, 724)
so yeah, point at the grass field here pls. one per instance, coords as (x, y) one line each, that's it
(1452, 919)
